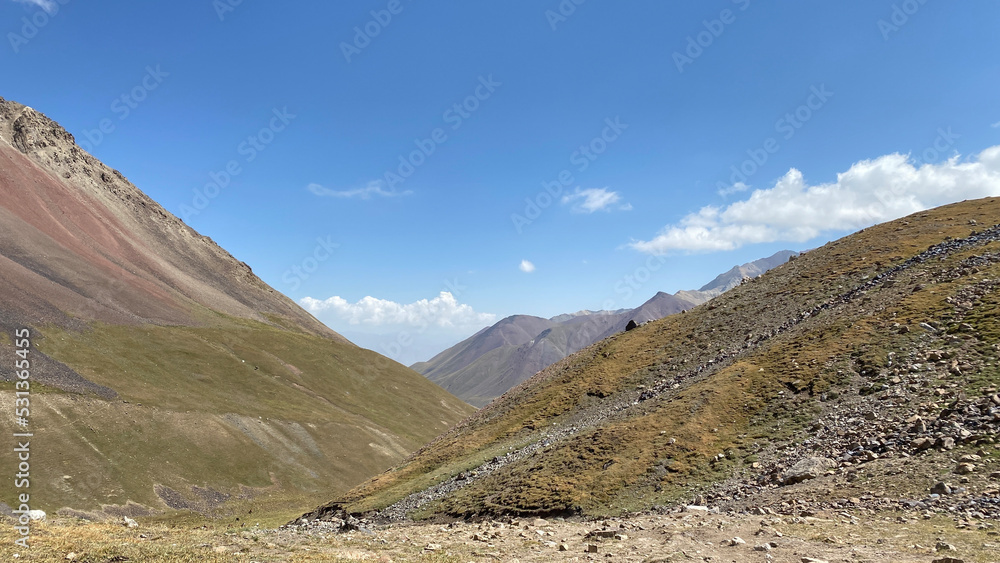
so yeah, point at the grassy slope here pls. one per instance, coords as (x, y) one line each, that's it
(234, 404)
(276, 402)
(487, 372)
(496, 371)
(630, 462)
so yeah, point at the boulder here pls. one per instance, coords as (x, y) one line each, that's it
(941, 489)
(808, 468)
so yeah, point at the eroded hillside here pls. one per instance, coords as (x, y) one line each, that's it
(872, 358)
(164, 373)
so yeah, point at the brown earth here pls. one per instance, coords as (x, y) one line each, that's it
(164, 374)
(78, 242)
(871, 351)
(842, 536)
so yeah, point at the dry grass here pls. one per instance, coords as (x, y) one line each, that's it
(769, 395)
(202, 540)
(841, 536)
(271, 418)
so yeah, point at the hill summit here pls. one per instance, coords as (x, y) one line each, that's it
(164, 374)
(488, 363)
(863, 373)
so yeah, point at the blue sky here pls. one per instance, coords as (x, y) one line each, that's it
(833, 115)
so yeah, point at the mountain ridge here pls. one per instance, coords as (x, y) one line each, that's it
(111, 206)
(829, 377)
(482, 367)
(150, 343)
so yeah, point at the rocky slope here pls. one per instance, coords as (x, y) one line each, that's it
(164, 373)
(81, 242)
(488, 363)
(861, 374)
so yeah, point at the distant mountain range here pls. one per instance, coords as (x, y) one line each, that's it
(487, 364)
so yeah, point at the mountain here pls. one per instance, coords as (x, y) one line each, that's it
(584, 313)
(735, 276)
(488, 363)
(164, 374)
(861, 374)
(658, 306)
(509, 332)
(485, 366)
(80, 243)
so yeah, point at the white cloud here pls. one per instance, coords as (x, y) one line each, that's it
(47, 5)
(442, 311)
(995, 125)
(871, 191)
(527, 267)
(594, 199)
(734, 189)
(374, 188)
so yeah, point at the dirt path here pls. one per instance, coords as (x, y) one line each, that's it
(690, 535)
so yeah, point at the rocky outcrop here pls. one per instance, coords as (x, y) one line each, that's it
(113, 254)
(808, 468)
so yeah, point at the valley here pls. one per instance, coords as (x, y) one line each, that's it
(834, 369)
(422, 283)
(165, 375)
(492, 361)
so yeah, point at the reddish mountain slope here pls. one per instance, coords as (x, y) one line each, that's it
(78, 241)
(164, 373)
